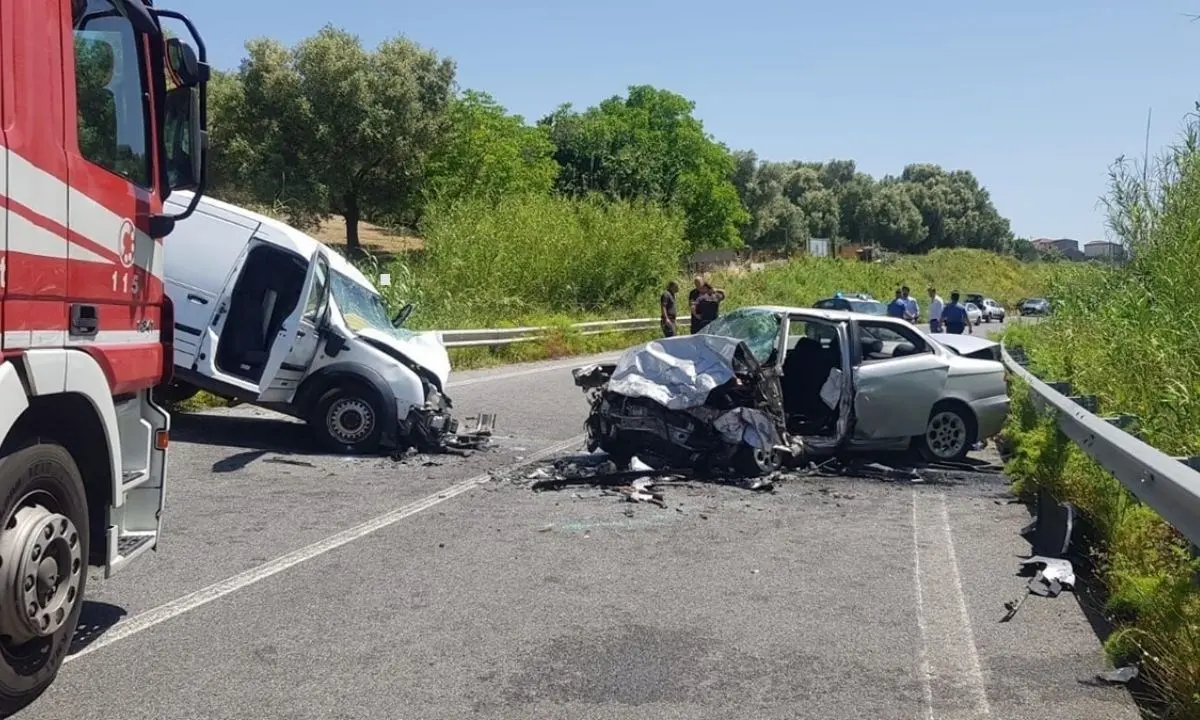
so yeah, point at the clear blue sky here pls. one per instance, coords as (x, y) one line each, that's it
(1037, 98)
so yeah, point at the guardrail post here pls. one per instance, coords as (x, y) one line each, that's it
(1091, 403)
(1121, 422)
(1193, 462)
(1062, 388)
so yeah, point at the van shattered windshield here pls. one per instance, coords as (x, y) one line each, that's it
(363, 308)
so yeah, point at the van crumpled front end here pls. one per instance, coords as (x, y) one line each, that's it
(698, 401)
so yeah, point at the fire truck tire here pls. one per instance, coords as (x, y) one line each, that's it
(349, 419)
(43, 568)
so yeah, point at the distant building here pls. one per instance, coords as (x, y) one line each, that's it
(1104, 250)
(1068, 247)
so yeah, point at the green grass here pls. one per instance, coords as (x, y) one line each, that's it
(550, 262)
(1130, 336)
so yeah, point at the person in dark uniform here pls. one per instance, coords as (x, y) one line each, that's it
(954, 316)
(693, 295)
(666, 309)
(708, 306)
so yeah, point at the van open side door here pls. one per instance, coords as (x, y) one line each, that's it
(296, 344)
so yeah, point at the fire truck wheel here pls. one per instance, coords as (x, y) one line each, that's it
(43, 568)
(347, 420)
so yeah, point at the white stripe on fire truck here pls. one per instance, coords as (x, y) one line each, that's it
(25, 237)
(27, 339)
(42, 193)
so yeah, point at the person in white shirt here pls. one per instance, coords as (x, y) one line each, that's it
(935, 311)
(912, 311)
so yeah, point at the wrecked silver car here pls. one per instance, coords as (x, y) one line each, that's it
(763, 385)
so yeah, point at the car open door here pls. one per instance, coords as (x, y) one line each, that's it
(276, 384)
(894, 395)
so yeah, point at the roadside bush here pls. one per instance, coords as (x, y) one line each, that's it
(1129, 335)
(536, 255)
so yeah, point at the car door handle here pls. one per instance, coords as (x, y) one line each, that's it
(300, 333)
(197, 299)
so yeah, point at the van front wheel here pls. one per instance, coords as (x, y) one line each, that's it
(347, 420)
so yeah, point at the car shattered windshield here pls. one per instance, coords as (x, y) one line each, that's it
(363, 308)
(759, 329)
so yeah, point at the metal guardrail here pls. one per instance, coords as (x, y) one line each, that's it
(490, 337)
(1168, 485)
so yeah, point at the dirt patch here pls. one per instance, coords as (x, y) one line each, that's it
(374, 238)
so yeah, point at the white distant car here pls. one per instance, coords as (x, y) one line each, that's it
(993, 310)
(974, 314)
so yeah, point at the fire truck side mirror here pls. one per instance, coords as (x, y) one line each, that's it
(183, 62)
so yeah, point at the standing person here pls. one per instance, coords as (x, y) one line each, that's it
(897, 307)
(693, 295)
(666, 309)
(935, 311)
(912, 311)
(708, 306)
(954, 317)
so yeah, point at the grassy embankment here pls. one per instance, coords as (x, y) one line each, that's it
(549, 262)
(1130, 336)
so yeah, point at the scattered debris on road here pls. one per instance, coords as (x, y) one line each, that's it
(1118, 676)
(639, 483)
(463, 444)
(1050, 577)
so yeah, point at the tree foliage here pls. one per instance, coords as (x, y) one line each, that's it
(650, 146)
(328, 127)
(488, 153)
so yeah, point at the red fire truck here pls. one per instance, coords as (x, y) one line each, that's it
(102, 115)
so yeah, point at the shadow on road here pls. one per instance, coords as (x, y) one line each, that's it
(94, 620)
(261, 434)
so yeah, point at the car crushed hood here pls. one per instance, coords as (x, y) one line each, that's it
(423, 348)
(679, 372)
(964, 344)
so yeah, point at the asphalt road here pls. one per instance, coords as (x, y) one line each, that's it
(297, 585)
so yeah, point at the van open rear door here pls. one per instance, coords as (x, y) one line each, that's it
(278, 384)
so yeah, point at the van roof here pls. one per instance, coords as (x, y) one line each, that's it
(282, 234)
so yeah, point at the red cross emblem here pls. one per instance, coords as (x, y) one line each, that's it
(128, 243)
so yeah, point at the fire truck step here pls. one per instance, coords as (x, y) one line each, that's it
(127, 545)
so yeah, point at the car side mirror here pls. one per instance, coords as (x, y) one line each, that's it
(402, 316)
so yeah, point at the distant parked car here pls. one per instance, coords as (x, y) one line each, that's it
(975, 299)
(974, 314)
(993, 310)
(1034, 306)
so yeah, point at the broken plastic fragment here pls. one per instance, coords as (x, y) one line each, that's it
(1055, 570)
(636, 465)
(1119, 676)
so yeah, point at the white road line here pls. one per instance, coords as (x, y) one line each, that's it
(531, 371)
(953, 675)
(926, 672)
(976, 669)
(218, 590)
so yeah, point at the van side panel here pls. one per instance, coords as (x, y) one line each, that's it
(204, 250)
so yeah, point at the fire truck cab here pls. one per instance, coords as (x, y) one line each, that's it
(102, 115)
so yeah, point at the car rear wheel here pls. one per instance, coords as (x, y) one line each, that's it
(43, 568)
(949, 434)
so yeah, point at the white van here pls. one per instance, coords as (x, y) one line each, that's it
(268, 315)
